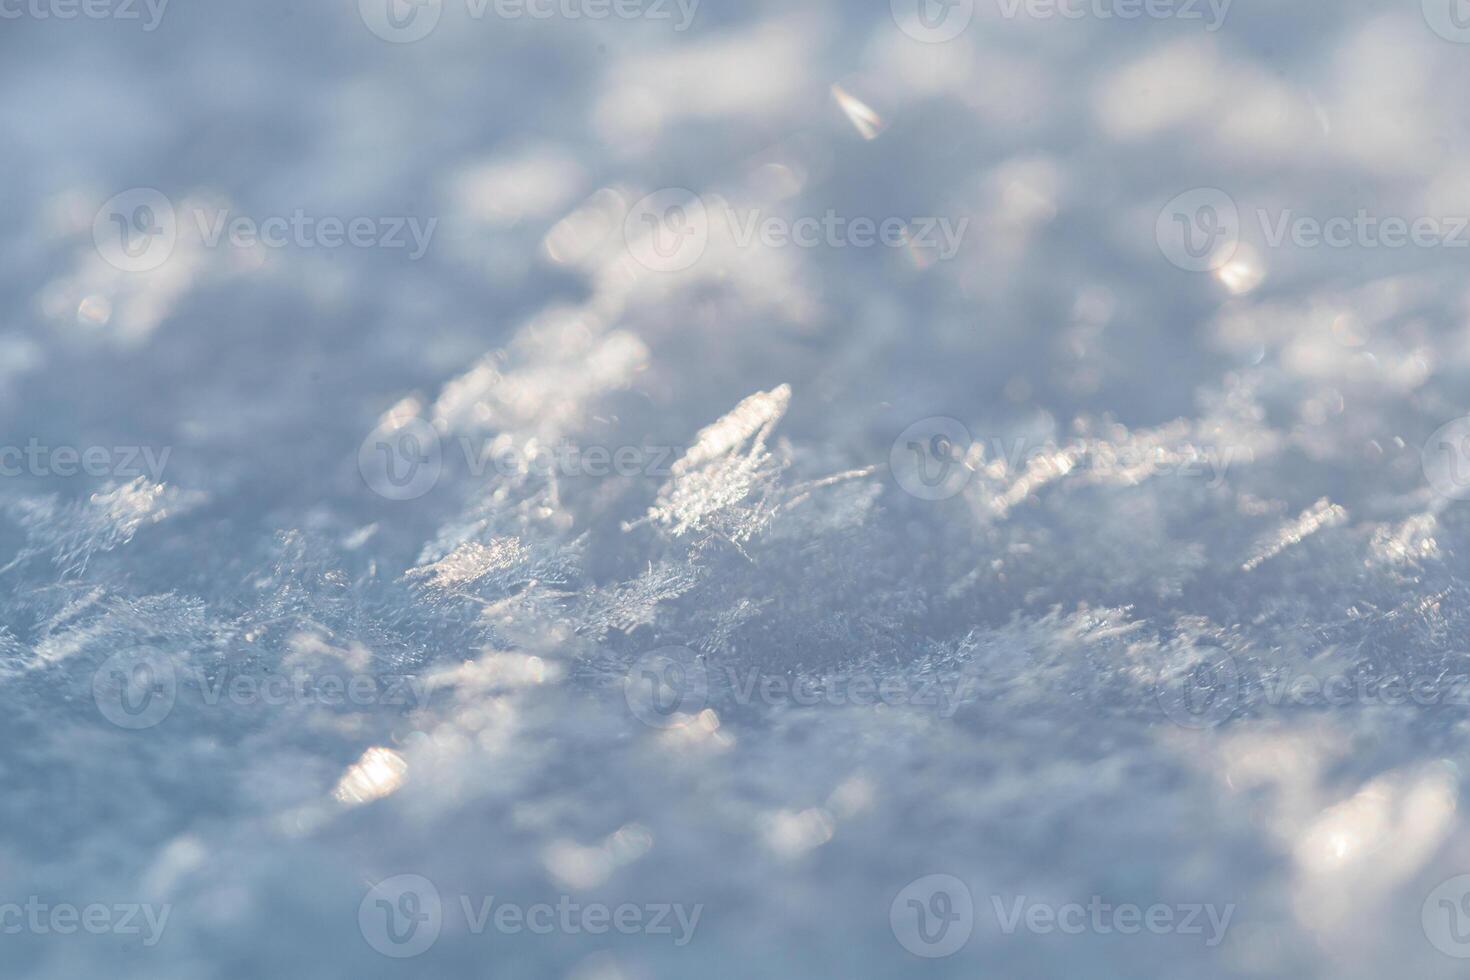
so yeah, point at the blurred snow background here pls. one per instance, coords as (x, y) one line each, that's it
(1059, 593)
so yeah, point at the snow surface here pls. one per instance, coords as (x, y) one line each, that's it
(1182, 491)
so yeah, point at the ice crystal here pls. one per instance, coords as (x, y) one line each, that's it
(1194, 508)
(724, 485)
(71, 534)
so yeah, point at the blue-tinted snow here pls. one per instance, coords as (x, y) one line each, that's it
(1184, 630)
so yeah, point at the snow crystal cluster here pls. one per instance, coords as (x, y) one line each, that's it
(800, 515)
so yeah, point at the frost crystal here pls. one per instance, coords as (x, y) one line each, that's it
(1174, 617)
(73, 533)
(724, 486)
